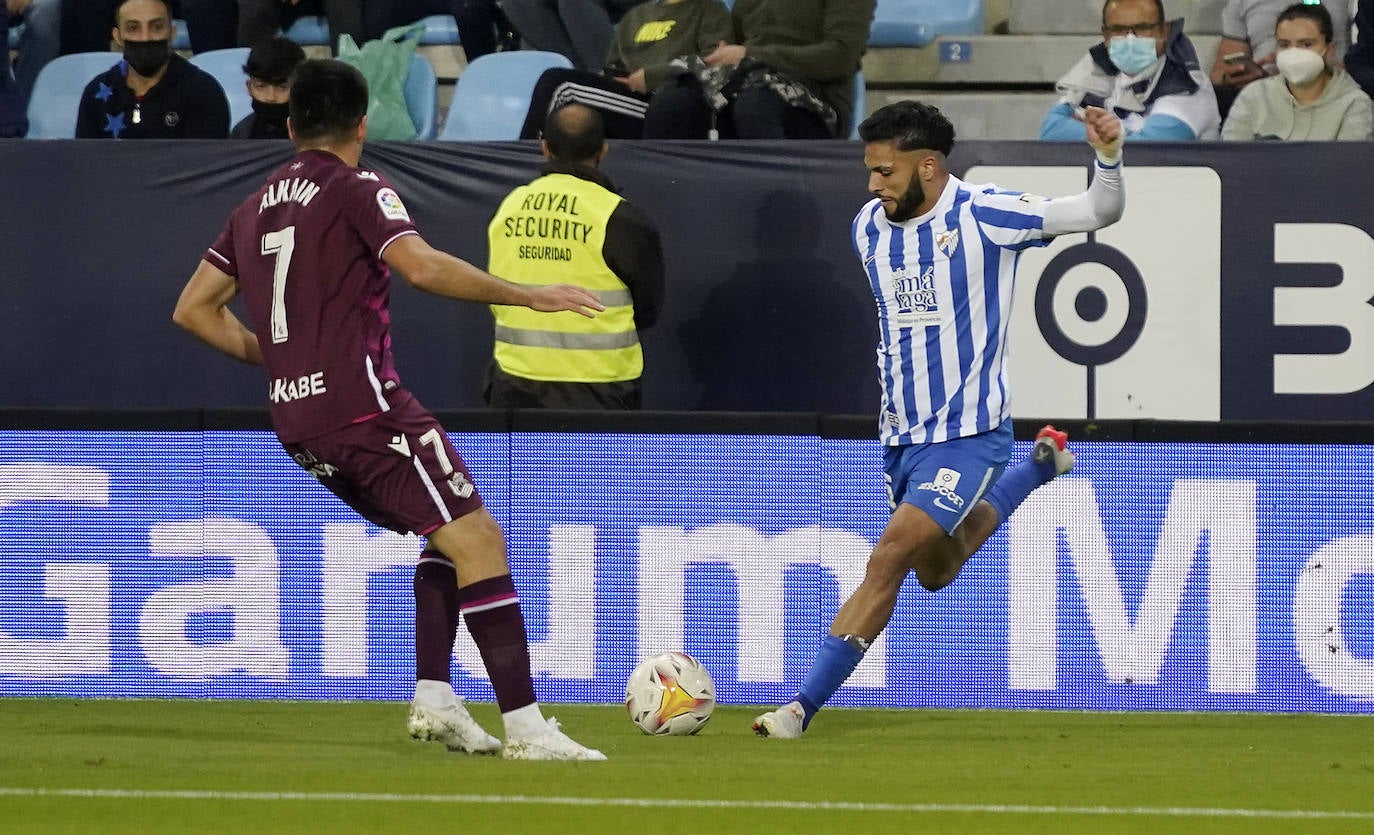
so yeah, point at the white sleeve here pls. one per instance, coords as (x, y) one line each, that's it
(1198, 110)
(1101, 205)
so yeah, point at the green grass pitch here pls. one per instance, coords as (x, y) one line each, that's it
(140, 766)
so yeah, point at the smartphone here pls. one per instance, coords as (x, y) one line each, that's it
(1240, 59)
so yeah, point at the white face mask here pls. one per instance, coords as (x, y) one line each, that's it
(1300, 66)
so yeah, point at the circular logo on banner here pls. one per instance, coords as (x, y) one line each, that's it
(1090, 304)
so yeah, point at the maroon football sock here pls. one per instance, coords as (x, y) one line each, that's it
(492, 611)
(436, 616)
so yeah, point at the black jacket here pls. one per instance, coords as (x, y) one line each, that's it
(187, 103)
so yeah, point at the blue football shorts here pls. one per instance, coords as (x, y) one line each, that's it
(948, 478)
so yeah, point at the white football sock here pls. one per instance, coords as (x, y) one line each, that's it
(435, 694)
(524, 722)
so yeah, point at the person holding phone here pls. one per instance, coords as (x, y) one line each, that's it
(1311, 99)
(1247, 48)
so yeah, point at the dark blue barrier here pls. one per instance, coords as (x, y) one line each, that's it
(1257, 264)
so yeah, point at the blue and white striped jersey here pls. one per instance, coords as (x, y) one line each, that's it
(943, 284)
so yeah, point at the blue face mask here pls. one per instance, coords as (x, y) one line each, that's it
(1131, 54)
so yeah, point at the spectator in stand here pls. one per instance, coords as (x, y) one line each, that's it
(269, 69)
(788, 74)
(581, 30)
(14, 122)
(1146, 71)
(41, 40)
(86, 24)
(646, 40)
(482, 27)
(153, 93)
(1310, 99)
(1246, 51)
(1359, 61)
(259, 20)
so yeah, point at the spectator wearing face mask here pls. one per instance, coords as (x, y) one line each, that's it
(1310, 99)
(153, 93)
(269, 69)
(1146, 72)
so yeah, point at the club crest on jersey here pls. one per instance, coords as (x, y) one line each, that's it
(461, 487)
(948, 241)
(391, 205)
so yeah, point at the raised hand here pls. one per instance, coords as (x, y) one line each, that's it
(1105, 133)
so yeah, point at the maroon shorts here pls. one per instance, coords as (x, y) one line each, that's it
(398, 469)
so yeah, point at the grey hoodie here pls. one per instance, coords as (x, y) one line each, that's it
(1266, 110)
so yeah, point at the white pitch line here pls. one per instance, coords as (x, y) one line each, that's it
(684, 803)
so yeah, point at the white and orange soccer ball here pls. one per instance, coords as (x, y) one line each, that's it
(670, 694)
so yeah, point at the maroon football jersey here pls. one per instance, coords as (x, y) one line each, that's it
(306, 249)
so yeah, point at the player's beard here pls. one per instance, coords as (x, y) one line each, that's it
(908, 203)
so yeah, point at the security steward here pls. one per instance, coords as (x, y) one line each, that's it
(570, 226)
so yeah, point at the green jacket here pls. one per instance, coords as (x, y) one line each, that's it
(817, 41)
(654, 33)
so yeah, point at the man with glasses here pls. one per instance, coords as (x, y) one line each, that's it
(1145, 71)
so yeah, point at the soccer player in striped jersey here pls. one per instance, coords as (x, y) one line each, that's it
(940, 255)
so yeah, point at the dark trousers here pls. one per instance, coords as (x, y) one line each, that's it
(481, 26)
(261, 19)
(680, 111)
(621, 109)
(580, 30)
(504, 391)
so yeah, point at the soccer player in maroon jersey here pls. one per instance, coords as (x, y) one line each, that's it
(310, 252)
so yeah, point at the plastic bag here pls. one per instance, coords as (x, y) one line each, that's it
(385, 63)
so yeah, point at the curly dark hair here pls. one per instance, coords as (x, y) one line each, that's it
(911, 125)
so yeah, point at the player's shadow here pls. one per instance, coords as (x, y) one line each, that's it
(787, 330)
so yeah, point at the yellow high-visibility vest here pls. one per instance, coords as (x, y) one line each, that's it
(552, 232)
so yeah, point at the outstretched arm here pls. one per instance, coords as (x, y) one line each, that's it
(1105, 200)
(437, 272)
(203, 309)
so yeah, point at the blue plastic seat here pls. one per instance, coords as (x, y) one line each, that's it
(57, 92)
(860, 104)
(309, 30)
(226, 65)
(492, 96)
(421, 90)
(440, 30)
(182, 39)
(918, 22)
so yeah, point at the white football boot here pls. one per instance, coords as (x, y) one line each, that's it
(1050, 443)
(783, 723)
(549, 744)
(451, 725)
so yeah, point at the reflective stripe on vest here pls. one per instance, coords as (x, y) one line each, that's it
(552, 231)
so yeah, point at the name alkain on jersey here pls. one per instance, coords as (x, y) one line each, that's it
(294, 190)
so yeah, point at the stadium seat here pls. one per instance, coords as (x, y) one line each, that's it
(422, 96)
(309, 30)
(226, 65)
(860, 104)
(57, 92)
(440, 30)
(182, 40)
(492, 95)
(915, 23)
